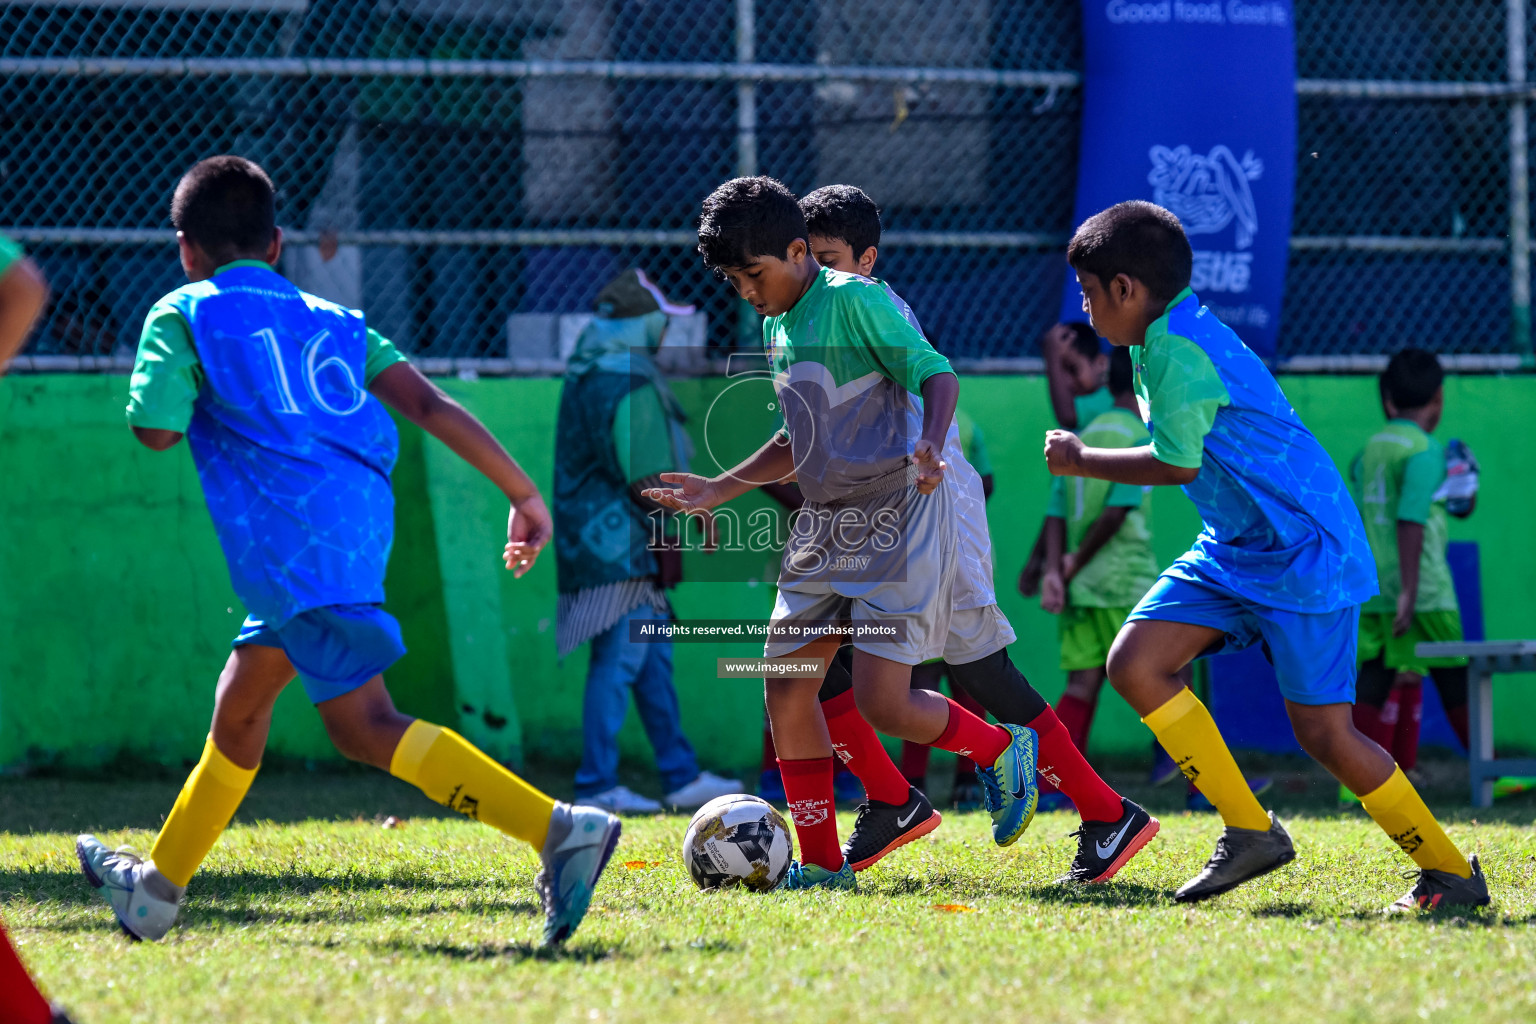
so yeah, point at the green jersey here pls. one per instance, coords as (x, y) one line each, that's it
(1124, 569)
(849, 367)
(1394, 480)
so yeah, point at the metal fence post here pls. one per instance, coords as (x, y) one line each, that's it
(1519, 188)
(747, 330)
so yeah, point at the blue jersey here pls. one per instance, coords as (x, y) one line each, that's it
(293, 452)
(1280, 527)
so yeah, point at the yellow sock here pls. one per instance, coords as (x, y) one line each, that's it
(1398, 809)
(207, 802)
(1188, 732)
(446, 767)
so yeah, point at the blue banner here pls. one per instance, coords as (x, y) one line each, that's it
(1192, 104)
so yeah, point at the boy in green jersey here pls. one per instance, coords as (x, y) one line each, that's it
(1076, 370)
(1398, 482)
(867, 405)
(1098, 550)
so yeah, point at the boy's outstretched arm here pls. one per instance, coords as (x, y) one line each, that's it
(23, 293)
(529, 527)
(1066, 455)
(773, 461)
(941, 393)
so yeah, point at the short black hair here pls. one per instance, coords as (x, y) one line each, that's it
(1411, 379)
(843, 212)
(746, 218)
(1136, 238)
(1122, 379)
(226, 205)
(1084, 339)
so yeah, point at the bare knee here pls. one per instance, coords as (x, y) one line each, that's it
(1327, 733)
(364, 725)
(881, 714)
(1126, 666)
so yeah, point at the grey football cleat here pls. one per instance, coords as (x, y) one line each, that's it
(1242, 854)
(1436, 889)
(145, 901)
(580, 841)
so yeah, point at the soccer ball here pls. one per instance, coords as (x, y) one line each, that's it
(737, 840)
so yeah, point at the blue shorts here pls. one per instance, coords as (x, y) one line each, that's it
(336, 649)
(1313, 655)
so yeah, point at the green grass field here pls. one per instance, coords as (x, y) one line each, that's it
(308, 910)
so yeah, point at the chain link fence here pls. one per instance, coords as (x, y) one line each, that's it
(471, 172)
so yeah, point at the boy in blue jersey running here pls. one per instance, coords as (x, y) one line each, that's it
(1282, 560)
(281, 397)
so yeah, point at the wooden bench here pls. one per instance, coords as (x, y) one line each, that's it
(1485, 657)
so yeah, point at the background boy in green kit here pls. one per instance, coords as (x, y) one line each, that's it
(1397, 481)
(1076, 370)
(1098, 554)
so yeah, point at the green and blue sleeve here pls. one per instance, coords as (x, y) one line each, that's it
(166, 373)
(1184, 391)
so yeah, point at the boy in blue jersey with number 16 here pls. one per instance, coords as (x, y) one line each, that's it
(1282, 559)
(281, 397)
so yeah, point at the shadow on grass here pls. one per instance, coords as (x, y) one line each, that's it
(1466, 917)
(576, 952)
(214, 893)
(74, 805)
(1112, 894)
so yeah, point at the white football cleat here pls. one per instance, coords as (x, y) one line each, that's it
(145, 901)
(580, 841)
(701, 791)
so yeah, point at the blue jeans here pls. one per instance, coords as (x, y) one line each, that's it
(617, 667)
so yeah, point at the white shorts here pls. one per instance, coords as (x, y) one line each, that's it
(975, 633)
(908, 588)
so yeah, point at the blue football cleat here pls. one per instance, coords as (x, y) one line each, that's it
(1009, 788)
(814, 876)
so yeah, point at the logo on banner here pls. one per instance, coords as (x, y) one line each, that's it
(1208, 193)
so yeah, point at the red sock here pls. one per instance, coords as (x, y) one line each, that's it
(808, 790)
(1405, 738)
(914, 762)
(770, 755)
(1458, 720)
(973, 737)
(1061, 763)
(964, 766)
(1077, 715)
(856, 745)
(1368, 722)
(23, 1004)
(1388, 720)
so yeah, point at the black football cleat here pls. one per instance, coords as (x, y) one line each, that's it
(1242, 854)
(882, 828)
(1104, 847)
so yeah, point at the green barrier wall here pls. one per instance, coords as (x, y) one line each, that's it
(116, 612)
